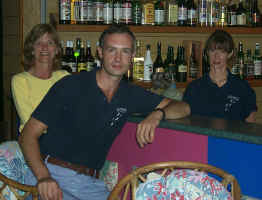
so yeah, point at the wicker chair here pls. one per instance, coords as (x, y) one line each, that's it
(14, 186)
(126, 187)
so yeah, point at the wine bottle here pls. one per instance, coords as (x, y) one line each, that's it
(158, 64)
(148, 12)
(81, 65)
(117, 11)
(240, 60)
(98, 11)
(202, 12)
(231, 14)
(256, 15)
(126, 12)
(148, 65)
(136, 12)
(182, 66)
(182, 13)
(89, 57)
(171, 12)
(159, 13)
(241, 14)
(191, 13)
(257, 62)
(249, 66)
(193, 64)
(108, 11)
(138, 66)
(64, 11)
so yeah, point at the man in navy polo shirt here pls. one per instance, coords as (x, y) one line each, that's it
(83, 114)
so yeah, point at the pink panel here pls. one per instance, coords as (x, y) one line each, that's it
(168, 145)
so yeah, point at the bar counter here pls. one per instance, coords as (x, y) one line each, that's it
(234, 146)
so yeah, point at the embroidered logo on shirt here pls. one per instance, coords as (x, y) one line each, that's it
(119, 114)
(231, 100)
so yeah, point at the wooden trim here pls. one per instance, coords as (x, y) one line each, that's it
(159, 29)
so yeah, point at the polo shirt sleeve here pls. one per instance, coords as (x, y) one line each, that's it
(142, 101)
(189, 94)
(50, 108)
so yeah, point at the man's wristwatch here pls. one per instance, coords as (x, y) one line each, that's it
(163, 113)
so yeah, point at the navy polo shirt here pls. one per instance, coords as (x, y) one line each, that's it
(82, 125)
(235, 100)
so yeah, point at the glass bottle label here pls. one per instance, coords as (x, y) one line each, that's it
(182, 68)
(149, 13)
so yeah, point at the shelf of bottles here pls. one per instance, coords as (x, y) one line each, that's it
(163, 16)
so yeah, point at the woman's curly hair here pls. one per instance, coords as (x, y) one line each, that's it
(38, 31)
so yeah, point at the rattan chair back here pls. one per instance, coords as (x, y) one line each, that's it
(126, 187)
(14, 186)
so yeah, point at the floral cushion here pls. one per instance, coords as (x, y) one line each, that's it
(12, 165)
(109, 174)
(183, 184)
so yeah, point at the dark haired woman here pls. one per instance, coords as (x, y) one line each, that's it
(219, 93)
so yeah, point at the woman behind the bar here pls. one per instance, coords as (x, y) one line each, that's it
(219, 93)
(42, 55)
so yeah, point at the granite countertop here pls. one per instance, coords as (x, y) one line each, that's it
(229, 129)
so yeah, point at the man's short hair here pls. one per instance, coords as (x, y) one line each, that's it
(117, 28)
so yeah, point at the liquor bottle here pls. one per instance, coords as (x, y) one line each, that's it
(248, 6)
(71, 62)
(98, 8)
(64, 11)
(257, 62)
(191, 13)
(148, 65)
(159, 13)
(158, 64)
(64, 58)
(202, 13)
(222, 22)
(138, 66)
(117, 11)
(81, 65)
(97, 63)
(170, 65)
(212, 12)
(255, 13)
(89, 57)
(231, 14)
(241, 14)
(205, 63)
(76, 11)
(136, 12)
(182, 13)
(126, 12)
(181, 66)
(249, 66)
(240, 60)
(72, 12)
(108, 11)
(235, 65)
(193, 64)
(83, 15)
(148, 12)
(171, 12)
(90, 12)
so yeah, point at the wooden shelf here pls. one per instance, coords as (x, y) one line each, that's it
(158, 29)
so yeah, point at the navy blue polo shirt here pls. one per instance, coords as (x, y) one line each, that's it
(235, 100)
(82, 125)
